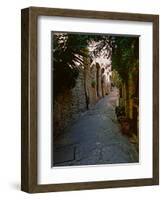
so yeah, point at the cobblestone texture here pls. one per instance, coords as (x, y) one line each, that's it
(96, 137)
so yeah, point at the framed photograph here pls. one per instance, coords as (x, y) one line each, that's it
(90, 99)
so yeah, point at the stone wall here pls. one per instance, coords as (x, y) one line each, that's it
(91, 85)
(69, 105)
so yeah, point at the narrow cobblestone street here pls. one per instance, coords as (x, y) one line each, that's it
(95, 138)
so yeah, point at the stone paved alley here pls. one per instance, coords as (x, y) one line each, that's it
(95, 138)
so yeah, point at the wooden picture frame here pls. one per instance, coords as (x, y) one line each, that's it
(29, 135)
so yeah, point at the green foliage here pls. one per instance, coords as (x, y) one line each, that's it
(93, 83)
(69, 51)
(116, 79)
(125, 55)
